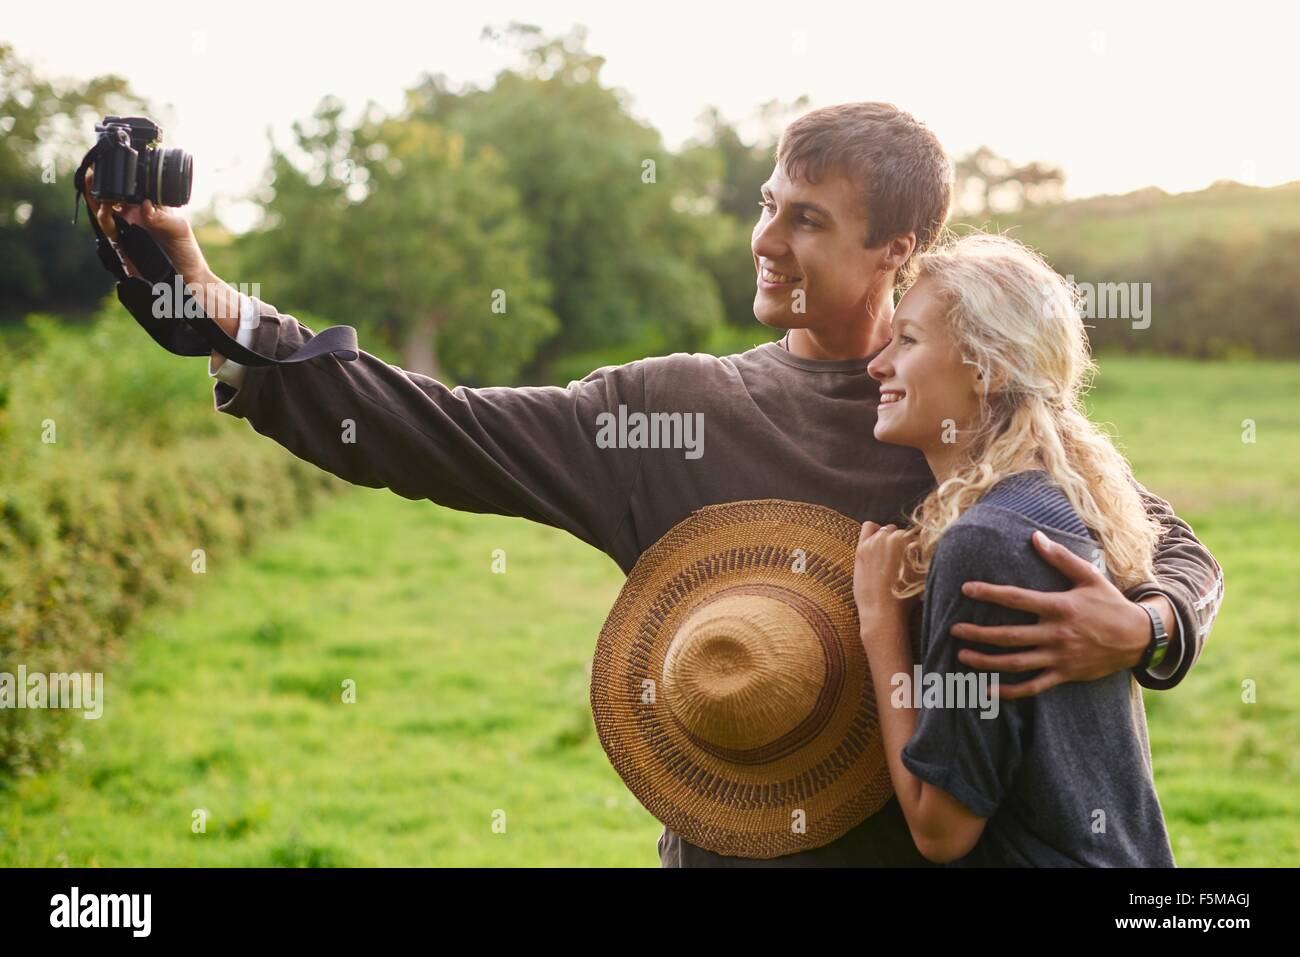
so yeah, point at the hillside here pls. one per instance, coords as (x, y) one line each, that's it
(1110, 230)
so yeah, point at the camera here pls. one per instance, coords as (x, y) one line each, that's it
(131, 166)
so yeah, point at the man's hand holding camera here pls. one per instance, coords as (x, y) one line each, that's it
(173, 233)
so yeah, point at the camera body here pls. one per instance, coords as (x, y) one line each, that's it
(131, 165)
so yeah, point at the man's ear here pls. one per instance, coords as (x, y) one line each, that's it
(897, 250)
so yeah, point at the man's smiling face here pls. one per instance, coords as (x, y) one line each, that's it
(812, 237)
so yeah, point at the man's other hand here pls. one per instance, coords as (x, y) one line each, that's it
(1082, 634)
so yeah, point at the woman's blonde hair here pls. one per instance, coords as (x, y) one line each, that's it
(1018, 321)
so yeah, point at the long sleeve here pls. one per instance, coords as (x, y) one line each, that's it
(531, 452)
(1188, 575)
(227, 370)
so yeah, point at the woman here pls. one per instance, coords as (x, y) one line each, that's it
(984, 375)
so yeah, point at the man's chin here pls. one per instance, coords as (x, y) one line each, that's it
(784, 321)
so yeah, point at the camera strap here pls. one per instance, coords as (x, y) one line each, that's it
(174, 319)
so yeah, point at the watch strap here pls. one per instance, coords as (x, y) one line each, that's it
(1159, 643)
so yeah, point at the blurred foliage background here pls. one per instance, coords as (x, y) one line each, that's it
(416, 224)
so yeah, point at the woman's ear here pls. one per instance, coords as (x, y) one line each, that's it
(976, 378)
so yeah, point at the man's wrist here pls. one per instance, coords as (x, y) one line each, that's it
(220, 300)
(1164, 608)
(228, 370)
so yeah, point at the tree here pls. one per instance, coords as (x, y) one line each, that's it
(732, 172)
(394, 223)
(617, 216)
(45, 262)
(986, 183)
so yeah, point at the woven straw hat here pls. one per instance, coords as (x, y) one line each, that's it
(730, 687)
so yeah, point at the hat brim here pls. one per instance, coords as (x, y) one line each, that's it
(794, 796)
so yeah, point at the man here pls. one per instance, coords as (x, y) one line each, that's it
(856, 190)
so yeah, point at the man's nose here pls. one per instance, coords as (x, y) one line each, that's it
(768, 241)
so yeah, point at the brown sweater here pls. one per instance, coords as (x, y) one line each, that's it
(761, 424)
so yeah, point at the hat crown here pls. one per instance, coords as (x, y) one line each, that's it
(748, 671)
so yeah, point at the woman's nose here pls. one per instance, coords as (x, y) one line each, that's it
(877, 368)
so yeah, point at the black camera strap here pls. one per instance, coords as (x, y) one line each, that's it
(159, 291)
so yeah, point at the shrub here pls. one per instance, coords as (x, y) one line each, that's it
(102, 522)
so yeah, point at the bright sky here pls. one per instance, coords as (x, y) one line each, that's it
(1121, 94)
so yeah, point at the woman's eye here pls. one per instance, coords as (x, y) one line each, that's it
(906, 338)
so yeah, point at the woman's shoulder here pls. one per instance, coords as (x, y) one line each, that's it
(1032, 497)
(990, 532)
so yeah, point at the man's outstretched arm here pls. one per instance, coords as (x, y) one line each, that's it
(529, 452)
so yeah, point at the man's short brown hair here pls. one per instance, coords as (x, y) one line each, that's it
(904, 173)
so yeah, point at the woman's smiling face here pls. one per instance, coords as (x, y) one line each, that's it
(928, 395)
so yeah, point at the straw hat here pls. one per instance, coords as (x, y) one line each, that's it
(730, 687)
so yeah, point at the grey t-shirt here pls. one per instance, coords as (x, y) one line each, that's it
(1065, 776)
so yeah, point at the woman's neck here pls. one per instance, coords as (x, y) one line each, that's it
(944, 460)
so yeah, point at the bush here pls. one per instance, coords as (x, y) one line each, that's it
(103, 521)
(1218, 297)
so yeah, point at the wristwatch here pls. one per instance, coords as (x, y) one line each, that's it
(1155, 652)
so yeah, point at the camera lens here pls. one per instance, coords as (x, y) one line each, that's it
(175, 177)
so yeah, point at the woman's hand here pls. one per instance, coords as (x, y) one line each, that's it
(875, 569)
(169, 230)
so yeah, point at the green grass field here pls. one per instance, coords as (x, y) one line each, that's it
(471, 687)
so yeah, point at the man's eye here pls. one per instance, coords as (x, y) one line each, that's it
(803, 219)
